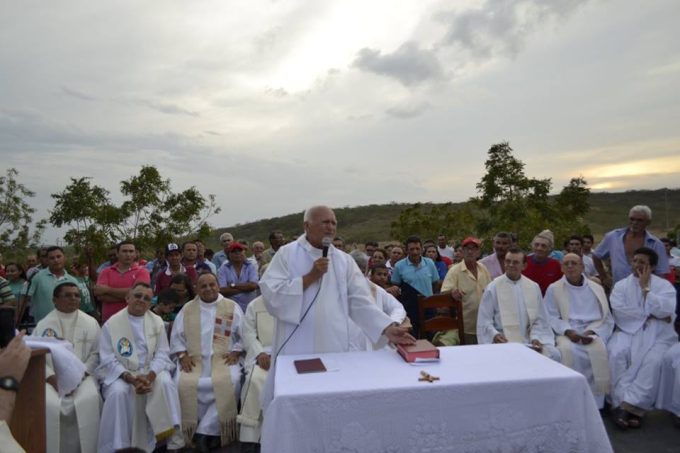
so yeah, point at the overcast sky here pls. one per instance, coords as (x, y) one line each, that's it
(276, 105)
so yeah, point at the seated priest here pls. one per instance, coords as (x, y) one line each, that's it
(512, 310)
(669, 386)
(643, 306)
(579, 315)
(141, 406)
(206, 339)
(72, 419)
(257, 331)
(383, 300)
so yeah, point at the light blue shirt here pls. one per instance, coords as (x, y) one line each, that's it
(420, 276)
(227, 275)
(219, 258)
(612, 247)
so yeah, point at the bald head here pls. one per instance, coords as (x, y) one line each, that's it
(572, 267)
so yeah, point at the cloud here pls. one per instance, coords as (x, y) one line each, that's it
(407, 110)
(77, 94)
(501, 27)
(409, 64)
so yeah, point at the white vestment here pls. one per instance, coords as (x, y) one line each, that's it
(525, 293)
(669, 385)
(72, 421)
(128, 419)
(258, 331)
(209, 423)
(586, 311)
(388, 305)
(640, 341)
(340, 296)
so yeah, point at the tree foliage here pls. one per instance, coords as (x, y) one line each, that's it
(16, 214)
(151, 214)
(508, 200)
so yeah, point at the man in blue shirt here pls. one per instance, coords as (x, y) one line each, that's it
(619, 246)
(417, 270)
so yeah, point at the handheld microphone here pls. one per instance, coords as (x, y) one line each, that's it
(326, 242)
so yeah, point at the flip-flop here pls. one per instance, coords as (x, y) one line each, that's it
(621, 418)
(634, 421)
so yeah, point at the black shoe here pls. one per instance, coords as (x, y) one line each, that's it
(204, 443)
(250, 447)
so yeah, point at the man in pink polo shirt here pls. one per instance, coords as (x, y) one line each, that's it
(115, 281)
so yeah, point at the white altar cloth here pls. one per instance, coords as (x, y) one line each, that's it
(496, 398)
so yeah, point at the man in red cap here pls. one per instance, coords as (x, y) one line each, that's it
(466, 282)
(238, 276)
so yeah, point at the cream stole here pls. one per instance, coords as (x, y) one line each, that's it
(152, 407)
(251, 409)
(223, 388)
(82, 339)
(507, 304)
(597, 351)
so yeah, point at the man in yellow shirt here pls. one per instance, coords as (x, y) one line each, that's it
(466, 282)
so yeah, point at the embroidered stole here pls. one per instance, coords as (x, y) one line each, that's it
(152, 408)
(597, 351)
(223, 388)
(507, 304)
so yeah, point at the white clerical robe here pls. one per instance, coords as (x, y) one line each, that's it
(258, 331)
(123, 424)
(489, 321)
(586, 312)
(388, 305)
(72, 421)
(668, 397)
(209, 423)
(329, 303)
(642, 337)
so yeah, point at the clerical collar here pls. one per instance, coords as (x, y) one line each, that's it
(67, 316)
(581, 284)
(209, 304)
(511, 280)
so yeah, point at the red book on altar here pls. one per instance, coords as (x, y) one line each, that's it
(422, 351)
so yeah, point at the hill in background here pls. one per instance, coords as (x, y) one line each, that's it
(372, 222)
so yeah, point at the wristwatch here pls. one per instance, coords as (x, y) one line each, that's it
(9, 383)
(232, 285)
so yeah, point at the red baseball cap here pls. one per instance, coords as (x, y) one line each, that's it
(471, 240)
(236, 245)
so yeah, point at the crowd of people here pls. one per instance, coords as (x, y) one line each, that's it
(177, 352)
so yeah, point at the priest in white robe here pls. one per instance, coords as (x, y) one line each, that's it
(141, 406)
(313, 297)
(643, 306)
(258, 331)
(669, 385)
(72, 420)
(206, 338)
(512, 310)
(579, 315)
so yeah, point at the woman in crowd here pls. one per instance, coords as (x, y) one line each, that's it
(432, 253)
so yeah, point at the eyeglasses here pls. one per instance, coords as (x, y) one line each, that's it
(570, 263)
(637, 219)
(141, 296)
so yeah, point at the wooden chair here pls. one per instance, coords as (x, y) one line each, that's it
(442, 320)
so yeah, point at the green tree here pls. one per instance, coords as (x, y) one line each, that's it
(88, 212)
(430, 220)
(151, 214)
(16, 214)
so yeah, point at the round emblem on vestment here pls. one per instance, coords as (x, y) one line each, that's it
(49, 333)
(124, 347)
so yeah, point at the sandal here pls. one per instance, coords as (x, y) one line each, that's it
(634, 421)
(621, 418)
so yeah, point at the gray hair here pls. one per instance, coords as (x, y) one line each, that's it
(223, 236)
(311, 211)
(361, 259)
(641, 209)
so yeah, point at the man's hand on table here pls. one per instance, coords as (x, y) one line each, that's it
(398, 335)
(499, 338)
(536, 346)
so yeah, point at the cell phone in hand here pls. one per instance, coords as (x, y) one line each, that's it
(7, 328)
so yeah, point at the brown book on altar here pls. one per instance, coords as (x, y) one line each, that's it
(423, 350)
(309, 366)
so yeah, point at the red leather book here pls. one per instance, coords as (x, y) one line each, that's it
(423, 350)
(309, 366)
